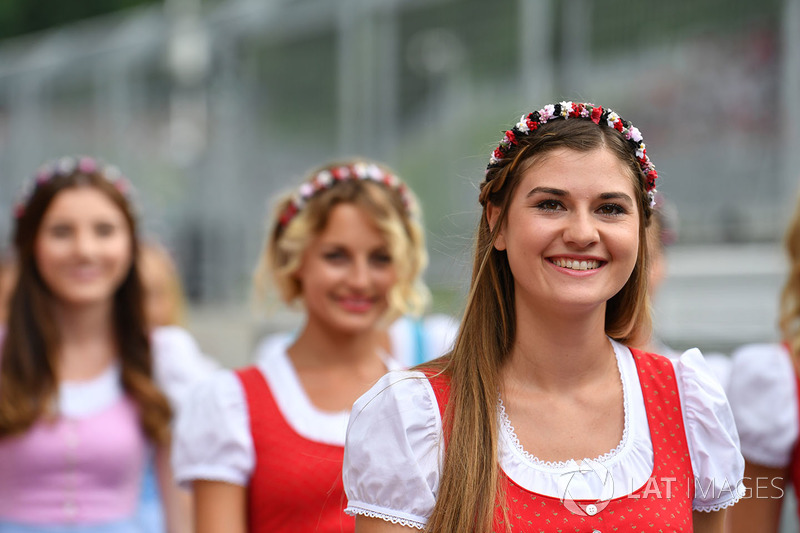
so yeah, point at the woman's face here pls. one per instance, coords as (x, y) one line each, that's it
(83, 247)
(346, 272)
(572, 231)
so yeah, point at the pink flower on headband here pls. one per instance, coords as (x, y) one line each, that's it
(87, 165)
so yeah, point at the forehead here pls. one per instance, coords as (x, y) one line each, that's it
(351, 225)
(582, 173)
(81, 203)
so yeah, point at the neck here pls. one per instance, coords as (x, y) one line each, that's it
(557, 350)
(81, 325)
(318, 345)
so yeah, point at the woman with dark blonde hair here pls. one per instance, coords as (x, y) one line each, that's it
(87, 390)
(541, 418)
(764, 389)
(262, 447)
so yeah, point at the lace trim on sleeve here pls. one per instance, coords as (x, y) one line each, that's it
(712, 508)
(354, 511)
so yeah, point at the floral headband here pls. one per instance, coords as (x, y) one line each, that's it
(67, 166)
(328, 178)
(566, 110)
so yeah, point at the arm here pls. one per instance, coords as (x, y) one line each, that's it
(710, 522)
(177, 502)
(219, 507)
(376, 525)
(760, 509)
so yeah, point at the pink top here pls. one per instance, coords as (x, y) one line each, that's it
(85, 467)
(74, 470)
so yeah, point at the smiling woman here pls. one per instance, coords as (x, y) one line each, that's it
(86, 387)
(263, 446)
(542, 418)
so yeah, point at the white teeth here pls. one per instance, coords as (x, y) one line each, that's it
(577, 265)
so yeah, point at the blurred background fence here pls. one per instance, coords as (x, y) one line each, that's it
(211, 108)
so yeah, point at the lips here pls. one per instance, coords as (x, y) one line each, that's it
(356, 304)
(84, 273)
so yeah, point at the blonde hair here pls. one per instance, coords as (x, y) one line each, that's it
(398, 221)
(790, 296)
(469, 487)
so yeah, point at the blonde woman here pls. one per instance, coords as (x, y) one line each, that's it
(763, 391)
(262, 447)
(541, 418)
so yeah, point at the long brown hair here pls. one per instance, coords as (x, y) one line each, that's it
(469, 489)
(28, 378)
(790, 296)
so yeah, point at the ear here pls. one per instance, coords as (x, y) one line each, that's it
(492, 215)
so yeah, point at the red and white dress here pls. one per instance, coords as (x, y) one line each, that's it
(678, 453)
(257, 428)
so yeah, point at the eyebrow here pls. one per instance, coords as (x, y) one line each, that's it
(563, 193)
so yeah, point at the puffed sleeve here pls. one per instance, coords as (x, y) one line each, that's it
(392, 453)
(717, 463)
(763, 394)
(178, 362)
(212, 438)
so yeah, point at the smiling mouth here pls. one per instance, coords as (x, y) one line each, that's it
(575, 264)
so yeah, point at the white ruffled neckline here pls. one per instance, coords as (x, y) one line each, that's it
(511, 434)
(310, 422)
(630, 463)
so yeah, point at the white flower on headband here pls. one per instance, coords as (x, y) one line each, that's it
(522, 125)
(547, 112)
(636, 135)
(566, 107)
(324, 178)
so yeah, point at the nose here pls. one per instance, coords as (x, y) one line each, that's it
(360, 273)
(85, 243)
(581, 230)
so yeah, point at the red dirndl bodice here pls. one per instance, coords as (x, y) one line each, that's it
(296, 486)
(663, 503)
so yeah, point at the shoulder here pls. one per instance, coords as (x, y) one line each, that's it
(393, 450)
(763, 395)
(272, 346)
(178, 361)
(711, 433)
(212, 432)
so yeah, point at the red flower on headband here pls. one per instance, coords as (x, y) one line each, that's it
(511, 137)
(618, 126)
(532, 124)
(498, 153)
(576, 110)
(596, 113)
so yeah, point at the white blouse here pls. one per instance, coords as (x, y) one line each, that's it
(763, 396)
(393, 451)
(177, 364)
(212, 438)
